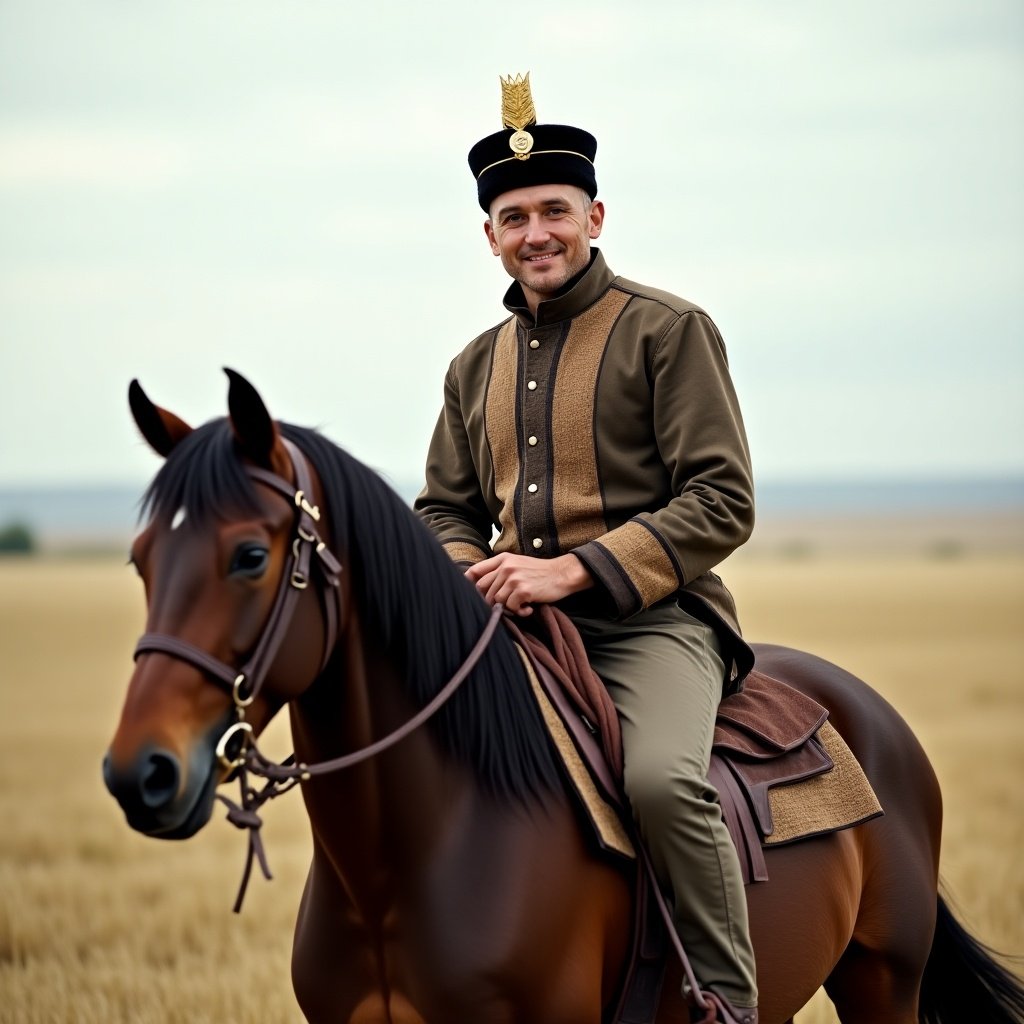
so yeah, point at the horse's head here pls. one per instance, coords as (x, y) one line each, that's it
(233, 631)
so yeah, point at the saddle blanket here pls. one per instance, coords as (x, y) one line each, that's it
(795, 780)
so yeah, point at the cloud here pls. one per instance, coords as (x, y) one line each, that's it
(180, 188)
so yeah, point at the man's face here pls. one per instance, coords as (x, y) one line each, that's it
(542, 234)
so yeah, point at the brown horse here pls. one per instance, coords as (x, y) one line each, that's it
(451, 882)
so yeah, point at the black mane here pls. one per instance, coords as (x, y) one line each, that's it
(411, 596)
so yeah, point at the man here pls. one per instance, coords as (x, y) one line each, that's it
(597, 428)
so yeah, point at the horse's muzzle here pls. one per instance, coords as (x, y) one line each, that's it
(163, 797)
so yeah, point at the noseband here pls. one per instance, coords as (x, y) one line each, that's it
(244, 684)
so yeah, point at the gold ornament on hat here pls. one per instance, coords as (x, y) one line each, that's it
(517, 112)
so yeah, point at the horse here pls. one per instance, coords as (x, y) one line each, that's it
(451, 880)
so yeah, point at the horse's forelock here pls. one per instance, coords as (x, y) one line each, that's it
(203, 475)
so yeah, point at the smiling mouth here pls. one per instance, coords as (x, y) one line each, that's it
(541, 257)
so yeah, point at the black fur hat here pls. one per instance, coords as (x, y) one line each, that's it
(546, 154)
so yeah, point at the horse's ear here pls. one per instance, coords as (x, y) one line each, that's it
(255, 432)
(161, 429)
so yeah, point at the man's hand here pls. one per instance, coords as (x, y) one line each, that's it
(520, 581)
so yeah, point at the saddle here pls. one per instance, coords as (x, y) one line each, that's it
(768, 738)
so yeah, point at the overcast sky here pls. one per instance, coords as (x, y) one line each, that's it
(281, 187)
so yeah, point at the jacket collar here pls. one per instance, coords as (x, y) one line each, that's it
(583, 291)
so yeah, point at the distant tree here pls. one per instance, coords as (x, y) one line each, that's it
(17, 538)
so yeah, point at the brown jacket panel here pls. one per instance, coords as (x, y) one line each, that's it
(608, 427)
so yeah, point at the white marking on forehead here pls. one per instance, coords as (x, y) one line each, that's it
(179, 518)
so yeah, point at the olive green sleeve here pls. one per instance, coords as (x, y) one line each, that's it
(703, 446)
(451, 502)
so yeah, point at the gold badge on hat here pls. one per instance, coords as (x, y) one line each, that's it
(517, 112)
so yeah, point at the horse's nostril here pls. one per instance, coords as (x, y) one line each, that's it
(159, 779)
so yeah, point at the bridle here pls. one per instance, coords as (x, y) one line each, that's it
(245, 683)
(236, 749)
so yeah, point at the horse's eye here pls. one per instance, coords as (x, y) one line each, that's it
(250, 560)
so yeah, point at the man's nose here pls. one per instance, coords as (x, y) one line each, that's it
(536, 232)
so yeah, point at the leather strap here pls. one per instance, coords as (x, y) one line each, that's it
(295, 578)
(741, 827)
(426, 712)
(185, 651)
(282, 777)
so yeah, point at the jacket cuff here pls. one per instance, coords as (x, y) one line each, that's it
(464, 552)
(634, 565)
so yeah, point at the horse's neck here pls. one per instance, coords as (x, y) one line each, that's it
(374, 821)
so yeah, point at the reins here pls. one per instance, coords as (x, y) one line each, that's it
(236, 749)
(289, 773)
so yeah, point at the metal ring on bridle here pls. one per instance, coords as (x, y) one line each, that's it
(230, 764)
(236, 693)
(311, 510)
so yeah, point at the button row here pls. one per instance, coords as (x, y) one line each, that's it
(537, 542)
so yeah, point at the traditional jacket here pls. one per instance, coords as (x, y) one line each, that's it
(607, 427)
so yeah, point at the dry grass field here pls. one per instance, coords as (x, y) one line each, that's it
(101, 926)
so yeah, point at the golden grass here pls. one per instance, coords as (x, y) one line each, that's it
(941, 640)
(98, 924)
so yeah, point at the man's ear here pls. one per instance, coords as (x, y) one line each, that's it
(491, 237)
(596, 218)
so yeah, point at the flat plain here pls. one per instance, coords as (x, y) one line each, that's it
(101, 926)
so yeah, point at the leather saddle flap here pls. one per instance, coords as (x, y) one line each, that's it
(766, 736)
(766, 719)
(757, 777)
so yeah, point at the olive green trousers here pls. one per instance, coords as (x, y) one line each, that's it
(664, 672)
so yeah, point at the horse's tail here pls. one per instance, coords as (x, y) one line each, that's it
(963, 982)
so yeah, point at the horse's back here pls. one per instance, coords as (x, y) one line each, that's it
(874, 730)
(899, 851)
